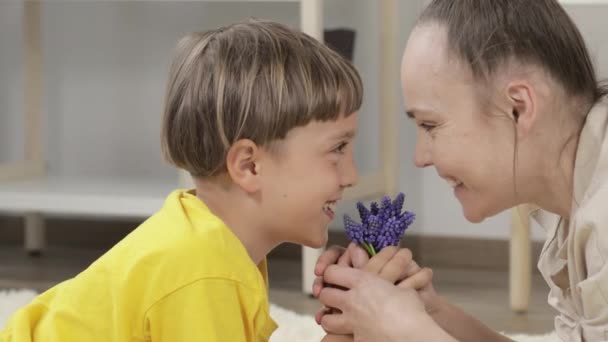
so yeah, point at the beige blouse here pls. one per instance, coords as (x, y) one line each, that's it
(573, 259)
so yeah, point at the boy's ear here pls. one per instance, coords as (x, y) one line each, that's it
(522, 103)
(243, 164)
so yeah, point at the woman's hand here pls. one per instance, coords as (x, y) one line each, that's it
(392, 264)
(423, 283)
(372, 308)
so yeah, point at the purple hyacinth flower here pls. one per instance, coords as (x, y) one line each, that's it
(408, 218)
(363, 213)
(380, 226)
(353, 230)
(385, 211)
(373, 230)
(398, 204)
(374, 208)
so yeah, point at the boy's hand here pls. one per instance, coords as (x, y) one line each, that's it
(391, 263)
(372, 308)
(353, 256)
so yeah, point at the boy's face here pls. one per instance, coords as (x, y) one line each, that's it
(305, 177)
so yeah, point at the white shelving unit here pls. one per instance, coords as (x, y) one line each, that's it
(27, 189)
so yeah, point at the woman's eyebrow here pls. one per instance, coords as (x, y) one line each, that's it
(412, 112)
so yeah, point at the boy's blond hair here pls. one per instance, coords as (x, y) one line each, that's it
(253, 80)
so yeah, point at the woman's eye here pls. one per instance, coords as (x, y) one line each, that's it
(426, 127)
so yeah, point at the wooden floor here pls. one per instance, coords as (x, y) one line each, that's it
(482, 293)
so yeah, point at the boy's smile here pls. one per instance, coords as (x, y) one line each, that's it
(304, 177)
(330, 209)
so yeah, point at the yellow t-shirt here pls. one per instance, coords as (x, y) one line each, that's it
(180, 276)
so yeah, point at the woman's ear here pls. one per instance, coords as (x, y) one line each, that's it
(243, 164)
(522, 103)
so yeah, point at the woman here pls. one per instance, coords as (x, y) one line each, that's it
(508, 111)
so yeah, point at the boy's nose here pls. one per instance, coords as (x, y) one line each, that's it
(350, 176)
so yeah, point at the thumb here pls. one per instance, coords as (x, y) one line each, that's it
(359, 256)
(418, 281)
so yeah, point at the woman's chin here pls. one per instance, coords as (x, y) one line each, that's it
(473, 216)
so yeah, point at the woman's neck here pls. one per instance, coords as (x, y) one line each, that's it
(555, 171)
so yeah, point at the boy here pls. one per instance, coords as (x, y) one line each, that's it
(263, 118)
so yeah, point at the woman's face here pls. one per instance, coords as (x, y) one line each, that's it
(470, 145)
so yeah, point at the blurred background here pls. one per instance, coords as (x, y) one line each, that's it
(97, 88)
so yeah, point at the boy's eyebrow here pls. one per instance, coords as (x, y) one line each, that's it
(345, 135)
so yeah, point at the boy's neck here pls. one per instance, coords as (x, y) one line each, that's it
(239, 214)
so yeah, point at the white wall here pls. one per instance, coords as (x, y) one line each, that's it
(591, 20)
(105, 67)
(362, 16)
(11, 82)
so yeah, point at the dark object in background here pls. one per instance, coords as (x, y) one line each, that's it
(342, 41)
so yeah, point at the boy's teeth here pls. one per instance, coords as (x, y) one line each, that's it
(330, 206)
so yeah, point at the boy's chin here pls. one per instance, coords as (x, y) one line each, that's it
(317, 241)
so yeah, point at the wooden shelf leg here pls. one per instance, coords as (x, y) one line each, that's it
(520, 265)
(34, 230)
(311, 23)
(309, 260)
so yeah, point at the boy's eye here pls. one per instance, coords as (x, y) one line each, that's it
(340, 148)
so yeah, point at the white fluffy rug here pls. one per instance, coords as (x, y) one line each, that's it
(292, 326)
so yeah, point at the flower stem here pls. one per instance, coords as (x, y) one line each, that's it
(369, 248)
(373, 250)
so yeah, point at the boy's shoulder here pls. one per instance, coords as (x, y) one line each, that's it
(182, 243)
